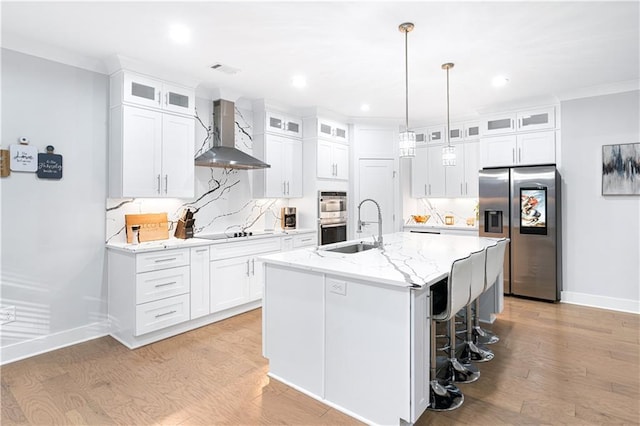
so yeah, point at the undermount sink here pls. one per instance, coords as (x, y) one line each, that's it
(352, 248)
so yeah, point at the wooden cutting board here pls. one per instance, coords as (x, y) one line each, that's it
(153, 226)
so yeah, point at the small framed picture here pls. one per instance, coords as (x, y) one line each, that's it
(621, 169)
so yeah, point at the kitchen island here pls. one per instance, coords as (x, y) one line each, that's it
(352, 329)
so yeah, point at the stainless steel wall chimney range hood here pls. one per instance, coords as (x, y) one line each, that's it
(224, 153)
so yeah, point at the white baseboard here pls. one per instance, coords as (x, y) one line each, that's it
(603, 302)
(51, 342)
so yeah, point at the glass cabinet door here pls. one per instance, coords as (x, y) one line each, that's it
(178, 99)
(536, 120)
(499, 124)
(142, 90)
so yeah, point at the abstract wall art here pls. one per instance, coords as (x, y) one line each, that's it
(621, 169)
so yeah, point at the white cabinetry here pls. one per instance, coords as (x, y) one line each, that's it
(147, 292)
(334, 131)
(283, 124)
(236, 275)
(436, 135)
(518, 150)
(200, 293)
(151, 138)
(499, 124)
(151, 154)
(292, 242)
(427, 172)
(137, 89)
(332, 160)
(539, 119)
(462, 179)
(284, 178)
(521, 121)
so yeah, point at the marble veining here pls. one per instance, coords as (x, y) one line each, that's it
(223, 199)
(406, 260)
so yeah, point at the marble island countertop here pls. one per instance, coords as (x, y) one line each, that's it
(406, 260)
(196, 241)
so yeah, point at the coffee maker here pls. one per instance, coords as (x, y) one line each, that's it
(288, 218)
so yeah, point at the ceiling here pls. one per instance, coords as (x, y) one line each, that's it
(352, 52)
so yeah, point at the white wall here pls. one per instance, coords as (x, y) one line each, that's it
(601, 235)
(52, 264)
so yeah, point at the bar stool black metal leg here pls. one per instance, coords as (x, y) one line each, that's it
(444, 395)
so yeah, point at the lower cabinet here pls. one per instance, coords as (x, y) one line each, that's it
(236, 274)
(147, 292)
(200, 282)
(155, 295)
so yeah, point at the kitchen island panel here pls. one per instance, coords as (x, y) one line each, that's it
(367, 349)
(293, 327)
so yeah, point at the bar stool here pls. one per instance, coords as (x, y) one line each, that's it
(472, 352)
(494, 265)
(444, 394)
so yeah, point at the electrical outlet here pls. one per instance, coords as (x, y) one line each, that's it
(7, 314)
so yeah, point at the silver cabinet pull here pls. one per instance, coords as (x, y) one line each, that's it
(425, 189)
(429, 189)
(166, 183)
(166, 284)
(466, 188)
(519, 155)
(284, 187)
(158, 184)
(461, 193)
(166, 99)
(253, 266)
(247, 267)
(166, 313)
(165, 260)
(201, 250)
(513, 154)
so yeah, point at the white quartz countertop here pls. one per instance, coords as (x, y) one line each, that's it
(406, 260)
(177, 243)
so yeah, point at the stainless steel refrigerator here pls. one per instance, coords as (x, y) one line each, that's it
(523, 204)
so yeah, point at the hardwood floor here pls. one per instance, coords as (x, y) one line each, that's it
(555, 364)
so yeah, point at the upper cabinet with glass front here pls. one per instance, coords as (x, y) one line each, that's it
(276, 122)
(541, 119)
(136, 89)
(331, 130)
(522, 121)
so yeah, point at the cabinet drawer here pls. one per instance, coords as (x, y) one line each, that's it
(157, 260)
(244, 248)
(161, 313)
(304, 240)
(156, 285)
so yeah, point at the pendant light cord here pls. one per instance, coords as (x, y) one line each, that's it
(448, 123)
(406, 80)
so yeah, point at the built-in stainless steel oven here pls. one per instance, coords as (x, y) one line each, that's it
(332, 217)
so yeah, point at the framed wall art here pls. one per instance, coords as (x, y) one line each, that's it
(621, 169)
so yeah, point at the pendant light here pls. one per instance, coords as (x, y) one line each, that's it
(448, 152)
(407, 140)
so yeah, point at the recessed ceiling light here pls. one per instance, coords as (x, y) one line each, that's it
(180, 34)
(365, 107)
(499, 81)
(299, 81)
